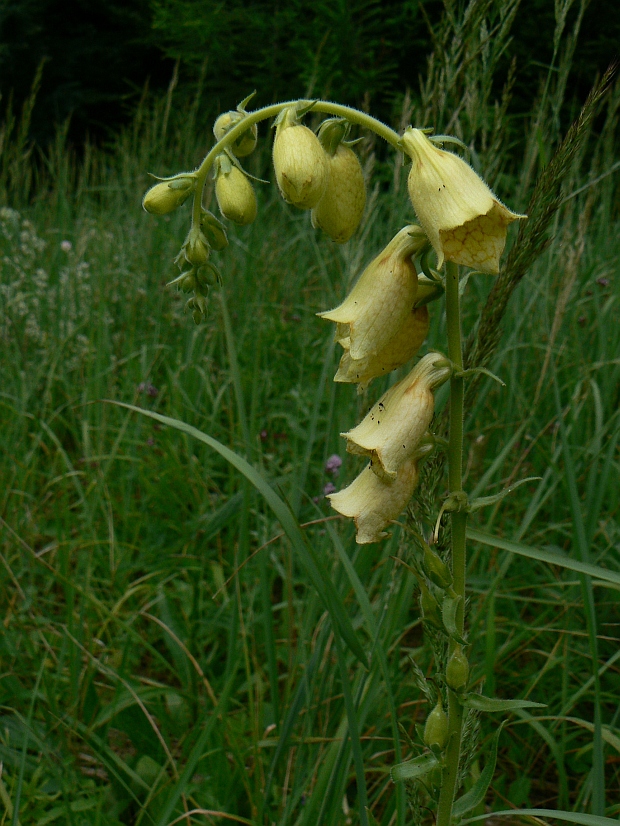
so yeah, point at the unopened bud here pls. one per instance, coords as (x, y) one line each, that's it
(246, 142)
(166, 196)
(196, 248)
(457, 670)
(235, 194)
(436, 727)
(340, 210)
(188, 282)
(300, 163)
(213, 231)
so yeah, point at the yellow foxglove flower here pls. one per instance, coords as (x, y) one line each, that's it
(382, 299)
(392, 430)
(300, 163)
(463, 219)
(374, 502)
(234, 193)
(400, 348)
(340, 210)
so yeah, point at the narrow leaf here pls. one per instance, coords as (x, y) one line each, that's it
(481, 703)
(544, 556)
(581, 818)
(478, 791)
(483, 501)
(413, 769)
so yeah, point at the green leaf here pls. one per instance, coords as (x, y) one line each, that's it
(413, 769)
(448, 614)
(580, 818)
(544, 556)
(481, 703)
(319, 578)
(483, 501)
(478, 791)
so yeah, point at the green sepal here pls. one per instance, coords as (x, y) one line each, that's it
(472, 371)
(448, 615)
(477, 793)
(483, 501)
(450, 139)
(430, 289)
(332, 132)
(241, 106)
(414, 769)
(478, 702)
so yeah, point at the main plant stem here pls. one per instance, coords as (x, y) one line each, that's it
(458, 525)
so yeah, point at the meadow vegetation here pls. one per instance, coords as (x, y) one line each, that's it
(163, 649)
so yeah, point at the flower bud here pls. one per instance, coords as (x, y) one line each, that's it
(340, 210)
(300, 163)
(166, 196)
(463, 219)
(382, 299)
(395, 426)
(400, 348)
(234, 193)
(373, 502)
(246, 142)
(196, 247)
(457, 670)
(213, 231)
(436, 727)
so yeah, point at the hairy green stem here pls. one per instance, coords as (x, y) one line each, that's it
(327, 107)
(458, 525)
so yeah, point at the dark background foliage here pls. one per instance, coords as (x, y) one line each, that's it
(99, 56)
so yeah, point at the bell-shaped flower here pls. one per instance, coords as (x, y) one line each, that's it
(395, 426)
(374, 502)
(400, 348)
(465, 222)
(382, 298)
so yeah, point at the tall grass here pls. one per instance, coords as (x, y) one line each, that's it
(162, 648)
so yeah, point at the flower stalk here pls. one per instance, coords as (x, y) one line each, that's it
(458, 525)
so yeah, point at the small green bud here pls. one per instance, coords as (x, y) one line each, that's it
(213, 231)
(207, 276)
(428, 290)
(188, 282)
(196, 248)
(166, 196)
(457, 670)
(436, 727)
(436, 570)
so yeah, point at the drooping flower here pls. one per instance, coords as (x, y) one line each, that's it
(374, 502)
(465, 222)
(167, 195)
(392, 431)
(381, 300)
(403, 346)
